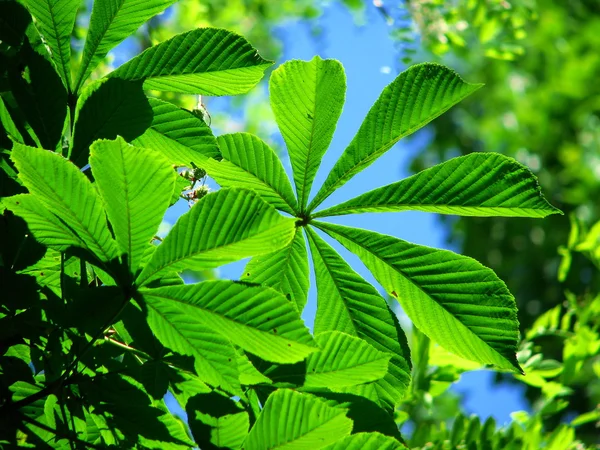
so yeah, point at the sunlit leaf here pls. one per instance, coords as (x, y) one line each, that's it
(111, 22)
(63, 189)
(364, 441)
(307, 99)
(250, 163)
(55, 20)
(285, 270)
(179, 135)
(136, 186)
(479, 184)
(453, 299)
(417, 96)
(225, 226)
(291, 420)
(344, 360)
(207, 61)
(256, 318)
(347, 303)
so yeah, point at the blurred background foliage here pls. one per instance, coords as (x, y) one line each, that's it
(540, 61)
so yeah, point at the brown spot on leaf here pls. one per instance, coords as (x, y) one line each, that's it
(394, 294)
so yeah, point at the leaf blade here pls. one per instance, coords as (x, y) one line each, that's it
(417, 96)
(179, 135)
(248, 162)
(294, 420)
(476, 314)
(66, 191)
(347, 303)
(479, 184)
(136, 187)
(344, 360)
(256, 318)
(254, 228)
(307, 100)
(206, 61)
(106, 109)
(111, 22)
(285, 270)
(55, 20)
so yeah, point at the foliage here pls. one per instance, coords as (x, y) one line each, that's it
(97, 325)
(541, 109)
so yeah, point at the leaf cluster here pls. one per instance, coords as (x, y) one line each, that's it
(98, 326)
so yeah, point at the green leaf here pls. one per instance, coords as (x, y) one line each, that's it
(417, 96)
(55, 20)
(291, 420)
(45, 226)
(307, 99)
(136, 186)
(347, 303)
(256, 318)
(250, 163)
(111, 22)
(285, 270)
(224, 431)
(366, 441)
(207, 61)
(106, 109)
(249, 375)
(179, 135)
(214, 356)
(475, 315)
(479, 184)
(64, 190)
(223, 227)
(40, 98)
(344, 360)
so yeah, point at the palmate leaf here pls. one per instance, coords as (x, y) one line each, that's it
(291, 420)
(285, 270)
(106, 109)
(417, 96)
(307, 100)
(207, 61)
(250, 163)
(111, 22)
(344, 360)
(453, 299)
(223, 227)
(227, 431)
(367, 441)
(256, 318)
(136, 186)
(347, 303)
(55, 20)
(179, 135)
(479, 184)
(63, 189)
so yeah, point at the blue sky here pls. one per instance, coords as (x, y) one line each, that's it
(371, 62)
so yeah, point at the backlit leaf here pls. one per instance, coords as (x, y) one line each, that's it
(223, 227)
(453, 299)
(479, 184)
(285, 270)
(307, 99)
(417, 96)
(256, 318)
(207, 61)
(291, 420)
(136, 186)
